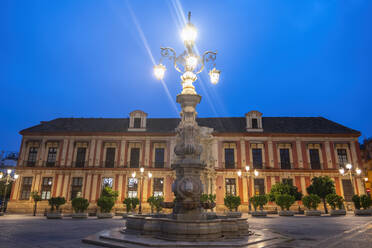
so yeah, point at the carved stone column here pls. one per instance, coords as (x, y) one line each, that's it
(188, 187)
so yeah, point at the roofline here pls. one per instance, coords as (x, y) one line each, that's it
(220, 134)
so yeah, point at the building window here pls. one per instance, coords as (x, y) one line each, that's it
(342, 157)
(348, 189)
(46, 188)
(285, 162)
(134, 157)
(259, 186)
(159, 157)
(107, 182)
(52, 157)
(76, 187)
(110, 157)
(158, 187)
(80, 157)
(314, 159)
(254, 123)
(32, 155)
(137, 123)
(229, 158)
(132, 187)
(257, 158)
(26, 188)
(287, 181)
(230, 186)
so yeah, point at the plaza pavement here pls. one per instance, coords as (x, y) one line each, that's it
(25, 231)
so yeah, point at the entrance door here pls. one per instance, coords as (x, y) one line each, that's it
(348, 189)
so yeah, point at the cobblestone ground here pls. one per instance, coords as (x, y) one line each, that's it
(20, 231)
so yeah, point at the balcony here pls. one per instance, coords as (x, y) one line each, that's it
(30, 163)
(286, 166)
(79, 164)
(316, 165)
(50, 163)
(158, 164)
(229, 165)
(109, 164)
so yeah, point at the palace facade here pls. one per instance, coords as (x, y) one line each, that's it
(72, 157)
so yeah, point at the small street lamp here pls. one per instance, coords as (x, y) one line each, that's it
(149, 174)
(7, 179)
(350, 172)
(248, 176)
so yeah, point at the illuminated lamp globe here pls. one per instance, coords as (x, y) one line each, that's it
(247, 168)
(16, 176)
(142, 169)
(358, 171)
(1, 175)
(133, 174)
(159, 71)
(150, 175)
(239, 173)
(342, 171)
(191, 62)
(9, 171)
(256, 173)
(189, 33)
(349, 166)
(214, 75)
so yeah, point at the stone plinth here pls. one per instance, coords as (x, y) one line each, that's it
(258, 214)
(286, 213)
(363, 211)
(313, 213)
(338, 212)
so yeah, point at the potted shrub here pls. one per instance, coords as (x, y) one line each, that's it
(55, 203)
(311, 202)
(208, 201)
(135, 202)
(36, 197)
(285, 201)
(80, 205)
(363, 201)
(232, 202)
(336, 201)
(259, 201)
(128, 206)
(106, 202)
(322, 186)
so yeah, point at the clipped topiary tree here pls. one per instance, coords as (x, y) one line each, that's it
(56, 202)
(259, 200)
(334, 201)
(311, 201)
(284, 188)
(356, 200)
(232, 202)
(365, 201)
(322, 186)
(135, 202)
(107, 199)
(128, 204)
(36, 197)
(79, 204)
(284, 201)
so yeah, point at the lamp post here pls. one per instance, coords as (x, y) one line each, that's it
(149, 174)
(188, 186)
(350, 173)
(7, 179)
(248, 176)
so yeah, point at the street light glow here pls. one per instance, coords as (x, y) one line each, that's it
(191, 62)
(142, 169)
(247, 168)
(239, 173)
(9, 171)
(150, 174)
(159, 71)
(358, 171)
(214, 75)
(134, 174)
(342, 171)
(349, 166)
(15, 176)
(256, 173)
(189, 33)
(1, 175)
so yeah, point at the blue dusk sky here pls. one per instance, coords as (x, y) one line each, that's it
(91, 58)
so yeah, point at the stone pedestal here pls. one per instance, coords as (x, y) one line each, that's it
(313, 213)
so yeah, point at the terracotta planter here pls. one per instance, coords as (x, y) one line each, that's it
(338, 212)
(313, 213)
(286, 213)
(104, 215)
(363, 212)
(54, 215)
(79, 215)
(259, 214)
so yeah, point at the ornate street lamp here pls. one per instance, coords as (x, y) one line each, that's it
(149, 174)
(248, 176)
(7, 179)
(350, 172)
(188, 63)
(187, 165)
